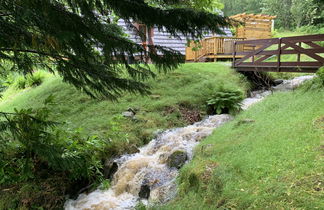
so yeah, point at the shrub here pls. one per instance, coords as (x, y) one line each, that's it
(225, 100)
(35, 79)
(317, 83)
(31, 143)
(20, 82)
(31, 80)
(320, 74)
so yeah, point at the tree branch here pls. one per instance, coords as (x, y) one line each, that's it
(34, 52)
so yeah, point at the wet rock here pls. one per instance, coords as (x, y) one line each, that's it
(109, 169)
(128, 114)
(163, 194)
(157, 133)
(177, 159)
(133, 149)
(145, 191)
(278, 81)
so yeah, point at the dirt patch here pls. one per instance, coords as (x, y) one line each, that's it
(188, 114)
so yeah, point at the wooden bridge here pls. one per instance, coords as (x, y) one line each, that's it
(289, 54)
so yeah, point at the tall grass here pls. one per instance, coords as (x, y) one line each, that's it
(275, 162)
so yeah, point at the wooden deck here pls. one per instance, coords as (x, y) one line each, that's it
(289, 54)
(213, 48)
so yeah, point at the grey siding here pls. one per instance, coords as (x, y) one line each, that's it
(130, 32)
(164, 39)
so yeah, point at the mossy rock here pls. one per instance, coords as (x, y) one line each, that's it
(177, 159)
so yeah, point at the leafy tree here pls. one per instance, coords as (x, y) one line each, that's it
(318, 12)
(233, 7)
(87, 47)
(203, 5)
(282, 9)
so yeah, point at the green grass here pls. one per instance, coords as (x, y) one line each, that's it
(274, 163)
(189, 86)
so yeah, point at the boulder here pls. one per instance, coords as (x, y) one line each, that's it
(177, 159)
(278, 81)
(145, 191)
(128, 114)
(109, 169)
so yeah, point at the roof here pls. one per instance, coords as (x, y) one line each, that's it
(244, 16)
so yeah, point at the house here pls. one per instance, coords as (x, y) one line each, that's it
(161, 38)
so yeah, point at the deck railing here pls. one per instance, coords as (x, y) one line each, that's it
(289, 54)
(211, 47)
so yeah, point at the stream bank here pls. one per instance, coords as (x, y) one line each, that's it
(149, 169)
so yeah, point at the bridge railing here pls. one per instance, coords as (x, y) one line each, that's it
(289, 54)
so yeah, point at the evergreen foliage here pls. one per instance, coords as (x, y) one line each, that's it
(87, 47)
(31, 143)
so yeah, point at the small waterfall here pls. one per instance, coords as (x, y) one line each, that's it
(149, 167)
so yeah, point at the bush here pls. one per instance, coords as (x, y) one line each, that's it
(31, 80)
(320, 74)
(20, 82)
(312, 29)
(225, 100)
(35, 79)
(317, 83)
(31, 143)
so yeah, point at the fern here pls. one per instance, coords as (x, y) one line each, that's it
(225, 101)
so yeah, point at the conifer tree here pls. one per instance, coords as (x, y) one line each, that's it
(79, 40)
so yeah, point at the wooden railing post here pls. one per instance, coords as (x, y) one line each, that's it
(298, 56)
(279, 55)
(234, 53)
(215, 48)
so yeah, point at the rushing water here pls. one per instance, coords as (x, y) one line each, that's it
(149, 166)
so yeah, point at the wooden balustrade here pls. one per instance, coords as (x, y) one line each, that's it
(305, 54)
(213, 47)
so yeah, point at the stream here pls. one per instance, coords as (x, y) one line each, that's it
(148, 173)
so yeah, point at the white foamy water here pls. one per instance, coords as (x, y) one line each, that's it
(149, 166)
(286, 85)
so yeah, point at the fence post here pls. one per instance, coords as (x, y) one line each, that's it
(298, 56)
(234, 54)
(279, 55)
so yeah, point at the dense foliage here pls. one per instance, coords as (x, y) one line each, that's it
(30, 143)
(86, 45)
(290, 13)
(204, 5)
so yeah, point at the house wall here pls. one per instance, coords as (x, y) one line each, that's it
(165, 39)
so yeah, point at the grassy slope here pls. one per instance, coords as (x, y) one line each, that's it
(274, 163)
(190, 85)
